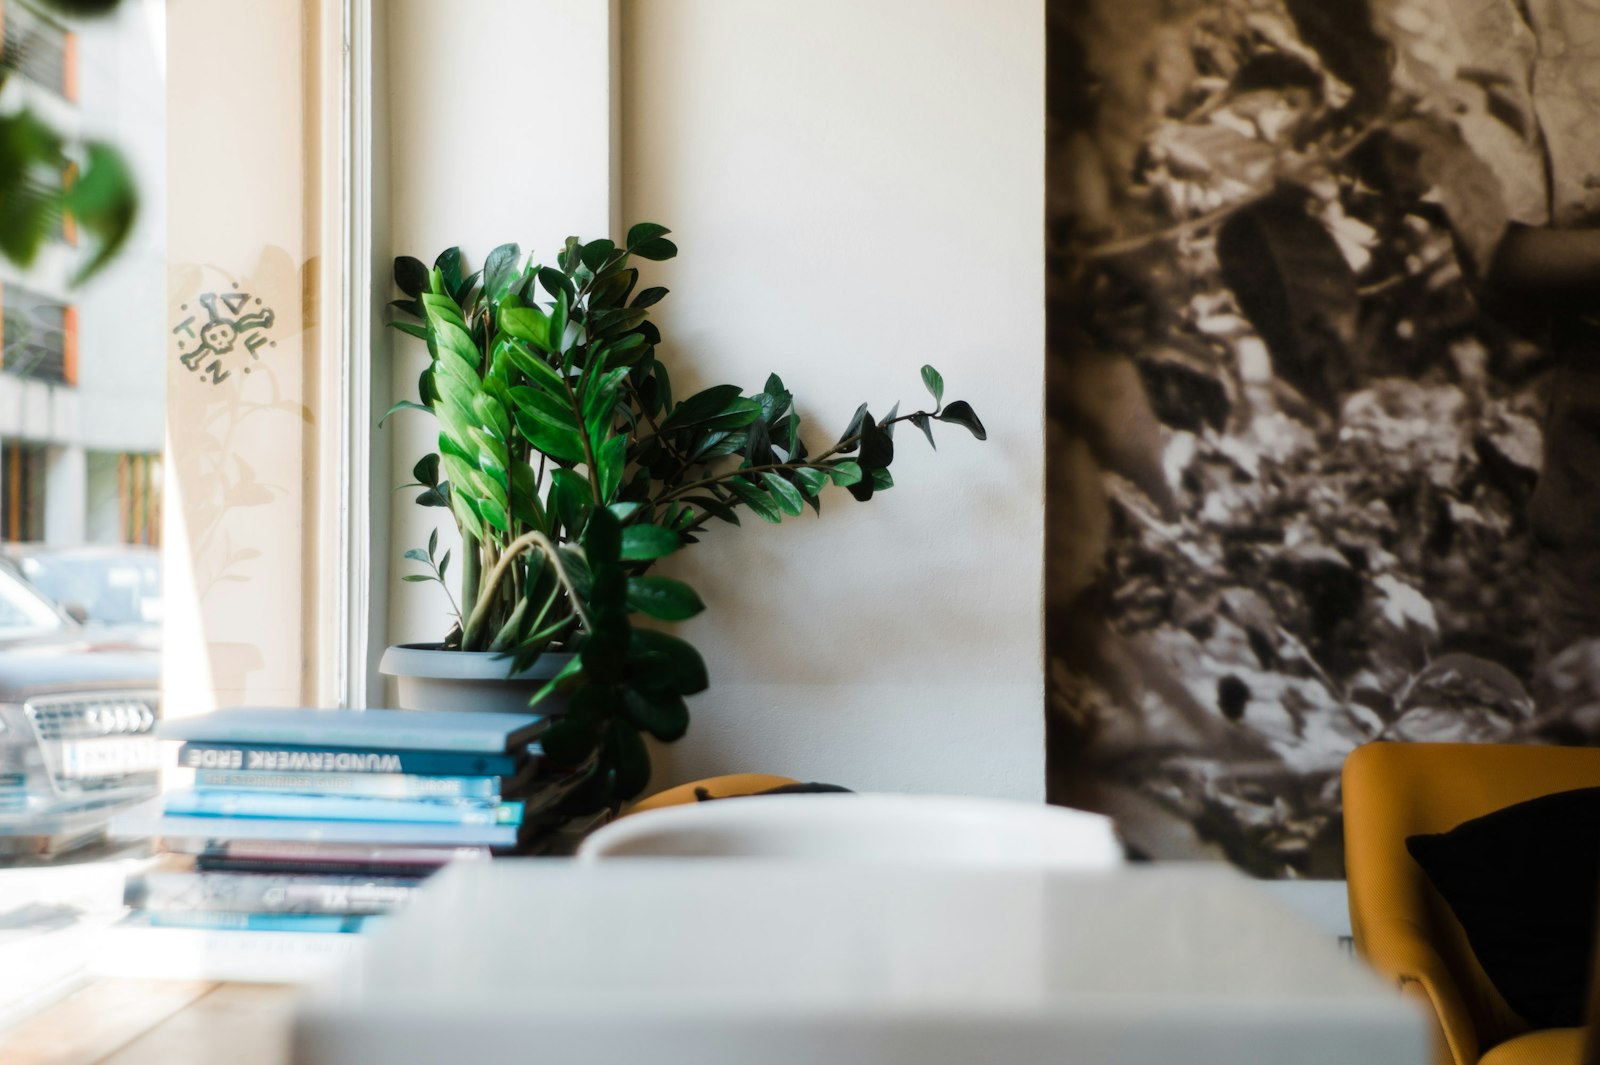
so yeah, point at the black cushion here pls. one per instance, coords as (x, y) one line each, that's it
(1525, 882)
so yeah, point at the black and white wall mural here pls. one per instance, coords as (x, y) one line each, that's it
(1324, 401)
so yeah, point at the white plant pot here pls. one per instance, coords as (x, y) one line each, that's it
(430, 678)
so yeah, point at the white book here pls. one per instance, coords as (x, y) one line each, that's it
(135, 949)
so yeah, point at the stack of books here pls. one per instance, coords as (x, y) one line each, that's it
(316, 821)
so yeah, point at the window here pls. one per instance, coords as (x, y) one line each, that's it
(40, 50)
(38, 336)
(23, 475)
(124, 494)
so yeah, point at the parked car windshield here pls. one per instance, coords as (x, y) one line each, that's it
(23, 609)
(112, 587)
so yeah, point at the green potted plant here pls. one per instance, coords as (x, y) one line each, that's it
(569, 468)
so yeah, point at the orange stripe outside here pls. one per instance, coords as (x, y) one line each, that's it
(69, 79)
(69, 344)
(124, 510)
(14, 493)
(154, 518)
(140, 480)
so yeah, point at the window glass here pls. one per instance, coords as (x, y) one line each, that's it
(83, 367)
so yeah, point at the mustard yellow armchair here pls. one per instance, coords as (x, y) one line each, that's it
(1402, 926)
(724, 787)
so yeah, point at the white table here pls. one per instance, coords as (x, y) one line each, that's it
(717, 963)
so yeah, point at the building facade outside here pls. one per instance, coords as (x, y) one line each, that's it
(82, 372)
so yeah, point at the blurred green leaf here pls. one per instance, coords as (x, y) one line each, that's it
(663, 598)
(644, 542)
(961, 413)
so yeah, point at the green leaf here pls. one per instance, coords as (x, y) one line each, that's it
(563, 445)
(595, 254)
(643, 231)
(935, 383)
(655, 250)
(663, 598)
(525, 506)
(648, 298)
(786, 494)
(615, 320)
(612, 458)
(411, 329)
(413, 578)
(641, 543)
(961, 413)
(662, 714)
(715, 507)
(887, 422)
(103, 201)
(449, 266)
(882, 480)
(511, 631)
(494, 512)
(530, 363)
(812, 481)
(433, 540)
(527, 323)
(500, 271)
(717, 444)
(702, 406)
(860, 418)
(567, 742)
(629, 758)
(845, 473)
(739, 413)
(410, 275)
(544, 407)
(755, 499)
(877, 449)
(558, 324)
(404, 404)
(573, 499)
(555, 283)
(417, 554)
(679, 665)
(602, 540)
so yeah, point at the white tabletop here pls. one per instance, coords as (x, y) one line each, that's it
(720, 962)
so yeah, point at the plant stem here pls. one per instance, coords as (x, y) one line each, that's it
(496, 575)
(588, 445)
(471, 574)
(773, 467)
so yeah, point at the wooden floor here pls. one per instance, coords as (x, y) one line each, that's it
(157, 1022)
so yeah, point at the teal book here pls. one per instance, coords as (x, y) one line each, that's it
(368, 785)
(389, 730)
(260, 922)
(147, 820)
(227, 802)
(301, 759)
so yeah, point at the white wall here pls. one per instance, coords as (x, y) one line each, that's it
(499, 129)
(857, 189)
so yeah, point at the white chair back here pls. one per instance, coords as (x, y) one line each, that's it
(874, 828)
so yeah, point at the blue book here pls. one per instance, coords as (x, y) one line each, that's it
(259, 922)
(227, 803)
(147, 820)
(362, 730)
(295, 759)
(371, 785)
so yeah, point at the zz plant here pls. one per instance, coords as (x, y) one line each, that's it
(569, 468)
